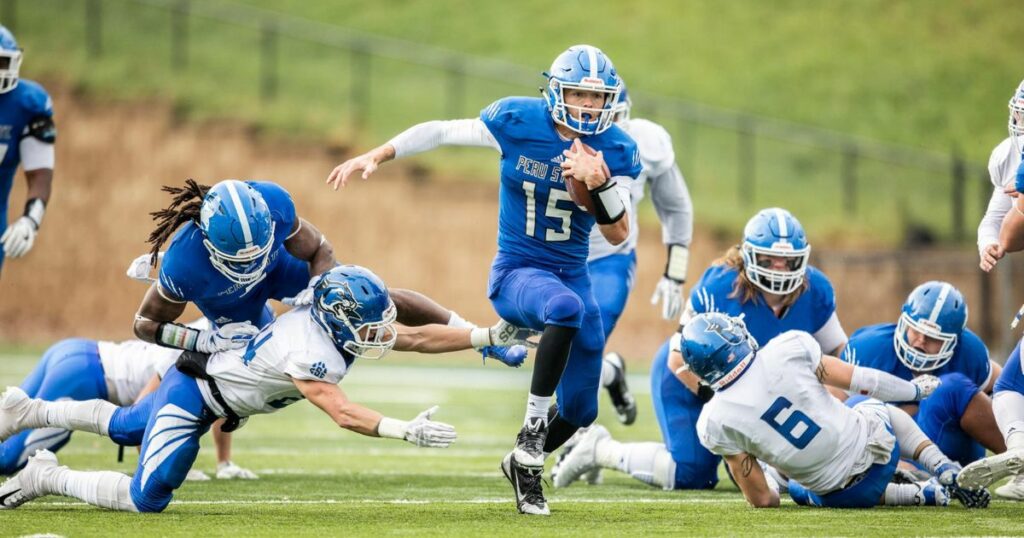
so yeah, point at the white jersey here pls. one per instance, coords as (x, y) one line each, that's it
(257, 379)
(659, 161)
(128, 366)
(781, 414)
(1002, 171)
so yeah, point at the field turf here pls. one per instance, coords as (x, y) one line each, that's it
(319, 481)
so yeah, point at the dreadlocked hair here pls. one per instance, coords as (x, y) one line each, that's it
(185, 204)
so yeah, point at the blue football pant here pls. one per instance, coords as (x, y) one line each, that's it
(939, 417)
(69, 370)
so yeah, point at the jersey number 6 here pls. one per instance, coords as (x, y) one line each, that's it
(789, 427)
(552, 211)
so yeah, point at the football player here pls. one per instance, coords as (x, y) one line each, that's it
(613, 267)
(27, 135)
(304, 354)
(768, 281)
(1002, 169)
(931, 338)
(240, 244)
(771, 406)
(118, 372)
(539, 278)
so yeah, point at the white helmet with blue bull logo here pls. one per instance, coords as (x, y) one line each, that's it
(583, 67)
(10, 60)
(936, 310)
(238, 230)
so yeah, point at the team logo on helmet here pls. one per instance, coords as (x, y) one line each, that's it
(344, 303)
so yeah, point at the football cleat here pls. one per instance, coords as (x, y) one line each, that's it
(984, 472)
(526, 483)
(909, 476)
(580, 459)
(931, 493)
(195, 475)
(1013, 490)
(509, 355)
(618, 390)
(27, 484)
(975, 497)
(529, 449)
(14, 406)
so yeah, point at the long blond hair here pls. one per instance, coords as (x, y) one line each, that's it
(743, 288)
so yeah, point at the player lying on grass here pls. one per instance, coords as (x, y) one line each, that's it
(118, 372)
(771, 406)
(304, 354)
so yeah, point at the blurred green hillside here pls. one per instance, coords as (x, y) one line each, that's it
(924, 75)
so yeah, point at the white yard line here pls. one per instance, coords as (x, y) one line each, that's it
(508, 500)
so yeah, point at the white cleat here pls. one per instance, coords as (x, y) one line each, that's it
(14, 405)
(1013, 490)
(195, 475)
(580, 459)
(27, 484)
(984, 472)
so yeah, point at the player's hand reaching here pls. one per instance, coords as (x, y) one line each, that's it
(230, 336)
(367, 162)
(585, 164)
(304, 297)
(990, 256)
(19, 237)
(926, 385)
(421, 431)
(504, 333)
(670, 294)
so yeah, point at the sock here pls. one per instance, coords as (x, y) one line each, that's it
(552, 355)
(1008, 407)
(931, 457)
(559, 431)
(105, 489)
(456, 321)
(607, 374)
(537, 407)
(88, 416)
(901, 494)
(908, 433)
(649, 463)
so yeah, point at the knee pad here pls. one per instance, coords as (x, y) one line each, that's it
(564, 309)
(154, 499)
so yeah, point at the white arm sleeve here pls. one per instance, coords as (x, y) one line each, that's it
(880, 385)
(998, 206)
(429, 135)
(672, 202)
(831, 335)
(35, 154)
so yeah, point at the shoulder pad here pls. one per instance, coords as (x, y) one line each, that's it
(42, 128)
(34, 98)
(516, 118)
(279, 201)
(820, 286)
(655, 145)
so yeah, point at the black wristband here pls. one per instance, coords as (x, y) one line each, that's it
(35, 208)
(607, 203)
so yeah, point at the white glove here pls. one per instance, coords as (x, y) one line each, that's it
(231, 336)
(926, 385)
(140, 268)
(227, 470)
(420, 431)
(670, 293)
(304, 297)
(18, 238)
(504, 333)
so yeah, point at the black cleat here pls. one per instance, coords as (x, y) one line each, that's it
(526, 483)
(529, 449)
(622, 399)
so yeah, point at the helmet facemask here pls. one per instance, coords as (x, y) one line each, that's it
(10, 64)
(369, 340)
(916, 359)
(588, 121)
(1016, 123)
(774, 281)
(245, 266)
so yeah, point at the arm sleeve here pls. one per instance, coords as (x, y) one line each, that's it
(672, 202)
(878, 384)
(36, 154)
(998, 206)
(429, 135)
(831, 335)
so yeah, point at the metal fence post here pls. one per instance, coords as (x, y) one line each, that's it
(9, 15)
(268, 61)
(456, 89)
(849, 179)
(745, 165)
(959, 177)
(360, 81)
(179, 35)
(93, 27)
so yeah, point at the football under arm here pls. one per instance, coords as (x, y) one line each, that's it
(1011, 231)
(751, 480)
(156, 308)
(347, 414)
(307, 243)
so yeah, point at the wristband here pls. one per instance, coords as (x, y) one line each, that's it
(392, 428)
(607, 203)
(35, 208)
(177, 336)
(480, 337)
(675, 266)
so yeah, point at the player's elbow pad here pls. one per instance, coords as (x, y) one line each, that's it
(880, 385)
(608, 204)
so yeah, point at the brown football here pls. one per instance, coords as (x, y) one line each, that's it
(578, 190)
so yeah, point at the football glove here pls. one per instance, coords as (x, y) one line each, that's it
(231, 336)
(19, 237)
(227, 470)
(140, 268)
(304, 297)
(926, 385)
(669, 291)
(504, 333)
(420, 431)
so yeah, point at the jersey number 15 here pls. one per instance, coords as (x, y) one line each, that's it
(552, 211)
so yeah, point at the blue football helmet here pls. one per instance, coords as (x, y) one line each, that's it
(10, 60)
(1016, 125)
(717, 348)
(775, 233)
(625, 105)
(938, 311)
(238, 230)
(353, 305)
(583, 67)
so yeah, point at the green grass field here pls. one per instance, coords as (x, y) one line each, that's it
(913, 73)
(319, 481)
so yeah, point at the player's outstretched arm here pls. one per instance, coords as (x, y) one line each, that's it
(435, 338)
(421, 431)
(156, 308)
(837, 373)
(752, 482)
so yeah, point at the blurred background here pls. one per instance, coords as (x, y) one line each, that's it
(871, 120)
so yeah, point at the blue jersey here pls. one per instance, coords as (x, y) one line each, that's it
(538, 223)
(187, 274)
(873, 346)
(810, 312)
(27, 103)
